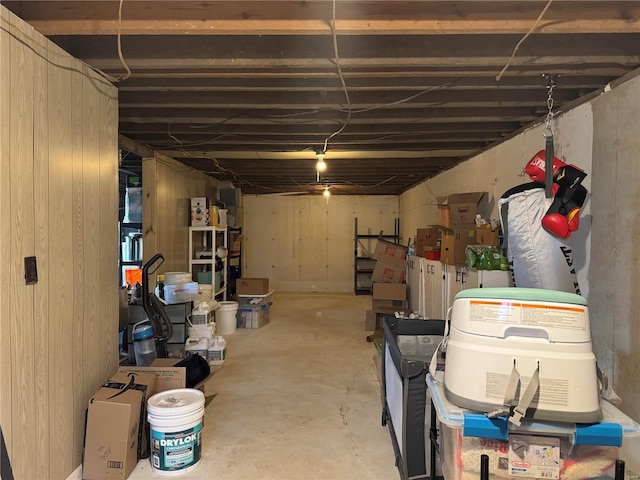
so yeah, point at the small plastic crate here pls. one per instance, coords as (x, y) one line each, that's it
(408, 346)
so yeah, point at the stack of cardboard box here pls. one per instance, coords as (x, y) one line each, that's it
(447, 241)
(117, 431)
(389, 287)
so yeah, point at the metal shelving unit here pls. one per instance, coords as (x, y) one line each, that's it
(363, 264)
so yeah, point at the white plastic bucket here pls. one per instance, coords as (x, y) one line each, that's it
(226, 318)
(175, 418)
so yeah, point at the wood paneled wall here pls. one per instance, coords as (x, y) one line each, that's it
(167, 188)
(59, 203)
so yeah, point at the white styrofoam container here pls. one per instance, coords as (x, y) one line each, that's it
(491, 328)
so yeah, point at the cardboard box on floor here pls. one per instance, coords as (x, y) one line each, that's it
(389, 297)
(115, 434)
(252, 286)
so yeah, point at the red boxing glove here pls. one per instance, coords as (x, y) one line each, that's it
(535, 168)
(563, 216)
(563, 173)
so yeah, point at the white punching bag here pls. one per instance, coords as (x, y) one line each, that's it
(537, 258)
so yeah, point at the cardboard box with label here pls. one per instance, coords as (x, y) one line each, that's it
(385, 249)
(389, 270)
(391, 263)
(389, 297)
(252, 286)
(200, 212)
(115, 432)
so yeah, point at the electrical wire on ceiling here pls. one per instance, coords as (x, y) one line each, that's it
(544, 10)
(344, 85)
(122, 60)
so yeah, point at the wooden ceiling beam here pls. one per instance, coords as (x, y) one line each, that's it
(369, 83)
(352, 17)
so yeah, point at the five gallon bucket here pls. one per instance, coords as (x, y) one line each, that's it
(175, 419)
(226, 318)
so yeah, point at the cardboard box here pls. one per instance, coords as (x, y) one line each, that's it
(115, 427)
(389, 291)
(200, 212)
(454, 243)
(462, 209)
(389, 297)
(486, 236)
(385, 248)
(252, 286)
(370, 321)
(389, 270)
(167, 375)
(429, 239)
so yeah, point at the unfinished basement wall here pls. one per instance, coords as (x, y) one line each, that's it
(615, 265)
(59, 197)
(602, 138)
(303, 243)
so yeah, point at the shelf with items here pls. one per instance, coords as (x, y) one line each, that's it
(208, 255)
(130, 255)
(363, 264)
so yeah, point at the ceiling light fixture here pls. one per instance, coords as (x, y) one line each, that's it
(326, 194)
(321, 165)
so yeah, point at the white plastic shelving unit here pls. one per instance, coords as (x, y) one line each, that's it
(208, 239)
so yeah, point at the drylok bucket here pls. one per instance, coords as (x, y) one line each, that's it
(175, 420)
(226, 318)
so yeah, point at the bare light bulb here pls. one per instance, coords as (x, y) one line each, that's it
(321, 166)
(326, 192)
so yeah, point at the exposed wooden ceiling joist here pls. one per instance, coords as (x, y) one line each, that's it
(249, 91)
(301, 18)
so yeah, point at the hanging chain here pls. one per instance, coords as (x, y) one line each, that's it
(551, 84)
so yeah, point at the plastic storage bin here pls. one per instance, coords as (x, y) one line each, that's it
(255, 300)
(253, 316)
(566, 450)
(408, 346)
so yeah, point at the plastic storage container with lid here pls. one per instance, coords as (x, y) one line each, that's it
(572, 451)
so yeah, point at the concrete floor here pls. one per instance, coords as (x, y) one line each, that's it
(297, 399)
